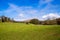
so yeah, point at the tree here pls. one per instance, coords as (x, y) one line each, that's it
(50, 21)
(5, 19)
(0, 19)
(34, 21)
(58, 21)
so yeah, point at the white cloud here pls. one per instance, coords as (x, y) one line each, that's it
(32, 11)
(42, 2)
(19, 19)
(21, 11)
(51, 16)
(24, 11)
(48, 8)
(21, 15)
(18, 9)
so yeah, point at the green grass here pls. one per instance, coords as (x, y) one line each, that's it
(20, 31)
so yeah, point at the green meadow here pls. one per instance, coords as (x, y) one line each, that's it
(21, 31)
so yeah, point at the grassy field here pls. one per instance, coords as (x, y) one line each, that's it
(20, 31)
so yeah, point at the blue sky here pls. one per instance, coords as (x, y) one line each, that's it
(27, 9)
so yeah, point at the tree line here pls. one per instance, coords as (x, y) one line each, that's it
(5, 19)
(32, 21)
(46, 22)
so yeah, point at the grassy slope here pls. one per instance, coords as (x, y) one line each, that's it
(20, 31)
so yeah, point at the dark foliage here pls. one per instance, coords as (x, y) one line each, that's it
(34, 21)
(5, 19)
(58, 21)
